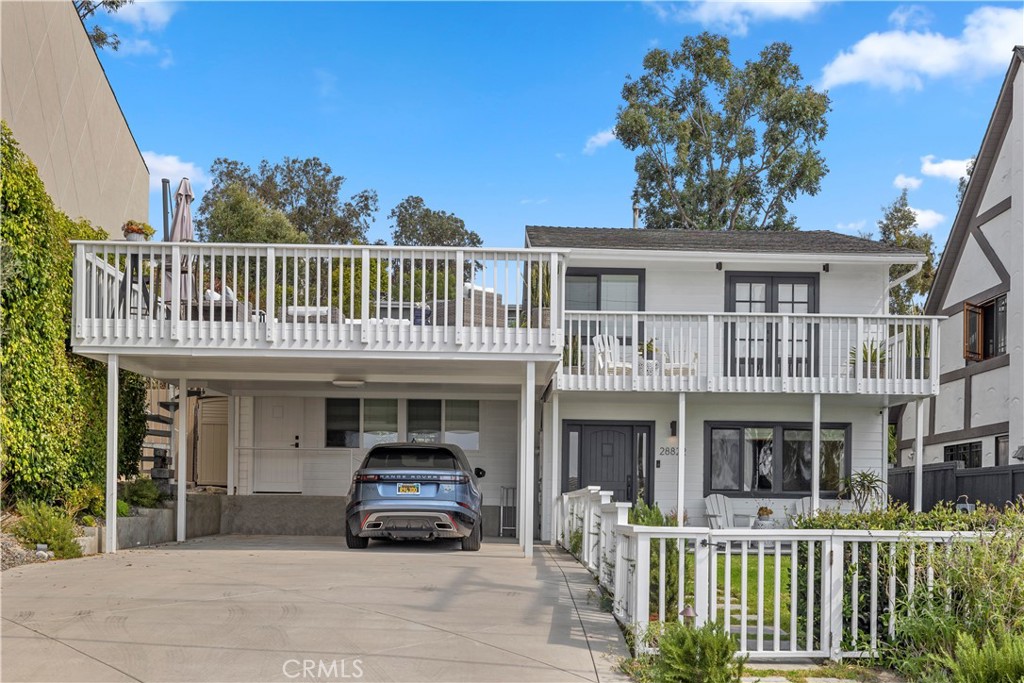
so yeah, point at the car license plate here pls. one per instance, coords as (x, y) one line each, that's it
(409, 489)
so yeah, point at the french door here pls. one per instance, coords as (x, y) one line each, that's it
(757, 346)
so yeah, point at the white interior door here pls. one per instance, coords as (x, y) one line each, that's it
(278, 458)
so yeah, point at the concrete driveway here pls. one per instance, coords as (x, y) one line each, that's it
(260, 608)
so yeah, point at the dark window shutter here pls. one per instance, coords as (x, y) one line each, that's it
(974, 324)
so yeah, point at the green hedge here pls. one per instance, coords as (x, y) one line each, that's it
(53, 406)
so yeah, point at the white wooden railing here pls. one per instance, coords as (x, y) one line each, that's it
(792, 588)
(750, 352)
(316, 297)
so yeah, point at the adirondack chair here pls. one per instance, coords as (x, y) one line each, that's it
(610, 359)
(720, 513)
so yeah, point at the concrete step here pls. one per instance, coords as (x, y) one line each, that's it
(161, 473)
(158, 417)
(159, 432)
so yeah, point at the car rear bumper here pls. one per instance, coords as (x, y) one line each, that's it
(415, 519)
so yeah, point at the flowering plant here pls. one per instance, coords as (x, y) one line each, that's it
(138, 228)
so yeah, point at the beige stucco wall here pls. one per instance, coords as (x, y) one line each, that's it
(56, 99)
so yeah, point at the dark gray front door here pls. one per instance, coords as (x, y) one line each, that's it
(614, 456)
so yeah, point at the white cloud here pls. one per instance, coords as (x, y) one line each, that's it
(927, 218)
(599, 140)
(734, 17)
(146, 15)
(900, 59)
(915, 16)
(136, 46)
(906, 182)
(851, 228)
(950, 169)
(167, 61)
(533, 202)
(170, 166)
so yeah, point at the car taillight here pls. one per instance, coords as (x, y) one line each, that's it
(455, 479)
(361, 478)
(465, 505)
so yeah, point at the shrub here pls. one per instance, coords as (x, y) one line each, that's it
(53, 416)
(123, 509)
(142, 493)
(41, 523)
(88, 520)
(696, 655)
(996, 660)
(89, 498)
(651, 515)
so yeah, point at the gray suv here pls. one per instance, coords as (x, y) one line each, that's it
(415, 491)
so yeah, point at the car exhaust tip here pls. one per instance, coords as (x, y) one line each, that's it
(443, 526)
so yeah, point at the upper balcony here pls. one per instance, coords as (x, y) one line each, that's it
(750, 352)
(229, 299)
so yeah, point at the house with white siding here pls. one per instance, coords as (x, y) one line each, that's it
(978, 416)
(662, 365)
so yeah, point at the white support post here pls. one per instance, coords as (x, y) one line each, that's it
(681, 474)
(919, 457)
(816, 456)
(833, 597)
(528, 465)
(702, 597)
(884, 502)
(110, 540)
(642, 584)
(181, 459)
(521, 470)
(232, 444)
(555, 429)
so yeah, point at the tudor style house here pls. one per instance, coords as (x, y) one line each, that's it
(664, 365)
(978, 416)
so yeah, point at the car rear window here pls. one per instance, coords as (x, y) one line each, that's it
(418, 458)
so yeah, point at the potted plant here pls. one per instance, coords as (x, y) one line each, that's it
(648, 350)
(571, 355)
(764, 513)
(137, 231)
(872, 355)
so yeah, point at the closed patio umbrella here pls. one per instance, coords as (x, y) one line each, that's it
(181, 231)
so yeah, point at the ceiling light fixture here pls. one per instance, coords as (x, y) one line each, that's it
(348, 383)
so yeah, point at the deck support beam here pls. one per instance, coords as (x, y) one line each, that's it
(919, 456)
(816, 456)
(181, 459)
(555, 439)
(232, 443)
(110, 539)
(526, 455)
(681, 474)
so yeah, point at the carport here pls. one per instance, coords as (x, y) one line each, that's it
(247, 380)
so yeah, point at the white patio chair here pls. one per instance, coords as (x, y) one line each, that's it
(610, 360)
(679, 363)
(721, 515)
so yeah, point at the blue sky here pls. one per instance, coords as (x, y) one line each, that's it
(501, 112)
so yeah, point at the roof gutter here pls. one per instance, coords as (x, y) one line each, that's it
(918, 267)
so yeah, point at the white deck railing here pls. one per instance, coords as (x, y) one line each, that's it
(316, 297)
(791, 590)
(750, 352)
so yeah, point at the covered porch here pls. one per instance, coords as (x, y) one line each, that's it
(788, 454)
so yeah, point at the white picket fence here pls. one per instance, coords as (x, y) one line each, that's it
(782, 593)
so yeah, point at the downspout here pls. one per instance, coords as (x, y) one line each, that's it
(918, 267)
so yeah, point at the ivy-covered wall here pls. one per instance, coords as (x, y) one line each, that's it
(52, 403)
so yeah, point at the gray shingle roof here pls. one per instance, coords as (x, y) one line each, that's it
(791, 242)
